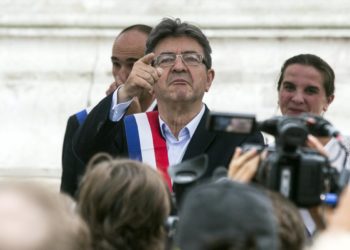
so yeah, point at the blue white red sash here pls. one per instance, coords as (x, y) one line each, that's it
(81, 115)
(145, 142)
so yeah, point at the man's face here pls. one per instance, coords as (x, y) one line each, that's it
(127, 49)
(182, 82)
(302, 90)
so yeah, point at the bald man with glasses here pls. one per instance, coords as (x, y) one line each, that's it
(177, 71)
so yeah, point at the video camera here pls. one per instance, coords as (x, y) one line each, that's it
(299, 173)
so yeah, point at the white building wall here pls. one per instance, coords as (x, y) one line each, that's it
(54, 61)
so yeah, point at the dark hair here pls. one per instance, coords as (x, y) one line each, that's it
(125, 204)
(247, 243)
(290, 229)
(316, 62)
(139, 27)
(175, 28)
(206, 206)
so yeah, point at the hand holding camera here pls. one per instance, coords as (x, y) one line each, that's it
(302, 174)
(244, 164)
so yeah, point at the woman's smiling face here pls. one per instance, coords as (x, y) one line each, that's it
(302, 90)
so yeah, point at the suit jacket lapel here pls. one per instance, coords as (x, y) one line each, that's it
(200, 140)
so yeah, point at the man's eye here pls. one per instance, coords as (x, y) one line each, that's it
(116, 64)
(166, 60)
(191, 58)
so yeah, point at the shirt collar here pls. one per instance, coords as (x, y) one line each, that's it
(152, 106)
(190, 127)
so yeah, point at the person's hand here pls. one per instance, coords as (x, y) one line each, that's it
(141, 79)
(114, 85)
(243, 166)
(340, 219)
(313, 142)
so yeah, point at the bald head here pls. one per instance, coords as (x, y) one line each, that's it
(128, 47)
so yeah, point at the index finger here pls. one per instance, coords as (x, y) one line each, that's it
(147, 59)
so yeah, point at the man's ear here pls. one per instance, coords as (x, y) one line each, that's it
(210, 78)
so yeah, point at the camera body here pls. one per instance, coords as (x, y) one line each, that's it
(299, 173)
(301, 176)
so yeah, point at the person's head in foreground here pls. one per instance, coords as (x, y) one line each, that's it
(125, 203)
(228, 216)
(33, 218)
(290, 229)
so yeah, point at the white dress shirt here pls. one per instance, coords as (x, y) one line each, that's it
(118, 109)
(176, 147)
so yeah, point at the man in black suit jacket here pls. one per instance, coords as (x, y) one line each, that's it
(177, 70)
(69, 162)
(128, 47)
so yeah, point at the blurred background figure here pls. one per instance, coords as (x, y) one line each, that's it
(125, 204)
(33, 218)
(128, 47)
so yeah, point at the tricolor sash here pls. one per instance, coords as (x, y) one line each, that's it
(145, 142)
(81, 115)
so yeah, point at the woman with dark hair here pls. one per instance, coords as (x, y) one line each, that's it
(306, 85)
(125, 204)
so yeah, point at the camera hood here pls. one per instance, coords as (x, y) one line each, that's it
(189, 171)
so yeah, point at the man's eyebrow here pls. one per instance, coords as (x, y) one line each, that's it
(189, 51)
(129, 60)
(132, 59)
(183, 52)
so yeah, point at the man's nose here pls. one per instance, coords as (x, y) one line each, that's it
(123, 74)
(179, 64)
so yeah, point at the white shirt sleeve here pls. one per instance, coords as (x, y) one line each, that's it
(118, 109)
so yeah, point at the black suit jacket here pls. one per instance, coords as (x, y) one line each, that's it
(69, 161)
(99, 134)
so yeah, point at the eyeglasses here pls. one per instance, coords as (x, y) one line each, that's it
(168, 59)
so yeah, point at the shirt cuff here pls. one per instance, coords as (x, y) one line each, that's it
(118, 110)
